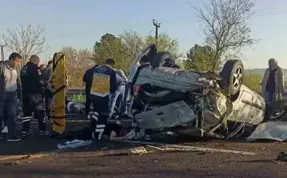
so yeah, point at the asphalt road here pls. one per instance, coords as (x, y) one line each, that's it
(89, 162)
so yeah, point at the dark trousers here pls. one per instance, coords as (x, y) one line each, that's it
(48, 102)
(88, 104)
(8, 111)
(5, 119)
(34, 104)
(99, 117)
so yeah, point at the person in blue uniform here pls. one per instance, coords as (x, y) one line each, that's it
(103, 85)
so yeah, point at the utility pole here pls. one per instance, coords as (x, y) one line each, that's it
(2, 51)
(157, 26)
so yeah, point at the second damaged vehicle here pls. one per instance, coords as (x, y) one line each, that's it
(194, 103)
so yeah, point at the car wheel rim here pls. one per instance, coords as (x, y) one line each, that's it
(237, 77)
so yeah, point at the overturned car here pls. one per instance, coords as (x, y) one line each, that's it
(195, 103)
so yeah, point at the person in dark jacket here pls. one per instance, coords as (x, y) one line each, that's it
(144, 63)
(88, 73)
(103, 84)
(10, 93)
(33, 99)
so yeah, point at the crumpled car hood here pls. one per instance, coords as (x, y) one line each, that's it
(272, 130)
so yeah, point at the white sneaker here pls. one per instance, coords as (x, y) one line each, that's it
(5, 130)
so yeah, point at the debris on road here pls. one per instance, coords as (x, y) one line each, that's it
(272, 130)
(74, 144)
(18, 159)
(125, 152)
(282, 157)
(189, 148)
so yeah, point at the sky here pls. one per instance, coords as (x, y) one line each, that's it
(80, 24)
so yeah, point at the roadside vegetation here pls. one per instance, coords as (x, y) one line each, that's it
(253, 81)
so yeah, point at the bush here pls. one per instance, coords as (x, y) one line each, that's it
(78, 98)
(253, 81)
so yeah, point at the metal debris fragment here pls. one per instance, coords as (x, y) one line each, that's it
(189, 148)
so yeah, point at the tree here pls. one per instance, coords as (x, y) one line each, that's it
(125, 47)
(26, 40)
(226, 26)
(77, 62)
(165, 43)
(200, 58)
(111, 46)
(136, 43)
(133, 42)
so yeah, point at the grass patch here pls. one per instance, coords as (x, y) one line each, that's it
(80, 98)
(253, 81)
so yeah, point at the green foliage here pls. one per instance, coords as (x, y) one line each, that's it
(200, 58)
(77, 61)
(125, 47)
(78, 98)
(253, 81)
(133, 41)
(111, 46)
(165, 43)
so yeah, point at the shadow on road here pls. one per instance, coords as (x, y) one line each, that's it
(37, 144)
(102, 172)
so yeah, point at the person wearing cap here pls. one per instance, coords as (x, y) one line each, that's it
(272, 85)
(33, 99)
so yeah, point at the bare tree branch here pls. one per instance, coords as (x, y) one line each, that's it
(26, 40)
(225, 25)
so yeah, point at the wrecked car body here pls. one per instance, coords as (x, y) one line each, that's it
(195, 103)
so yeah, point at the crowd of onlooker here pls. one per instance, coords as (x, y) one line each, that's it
(27, 88)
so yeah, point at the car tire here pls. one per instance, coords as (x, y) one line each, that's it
(233, 74)
(159, 58)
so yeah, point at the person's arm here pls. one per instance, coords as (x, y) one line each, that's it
(281, 81)
(19, 87)
(85, 77)
(35, 74)
(113, 82)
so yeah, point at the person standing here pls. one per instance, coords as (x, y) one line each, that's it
(273, 82)
(103, 84)
(33, 99)
(86, 78)
(121, 85)
(10, 93)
